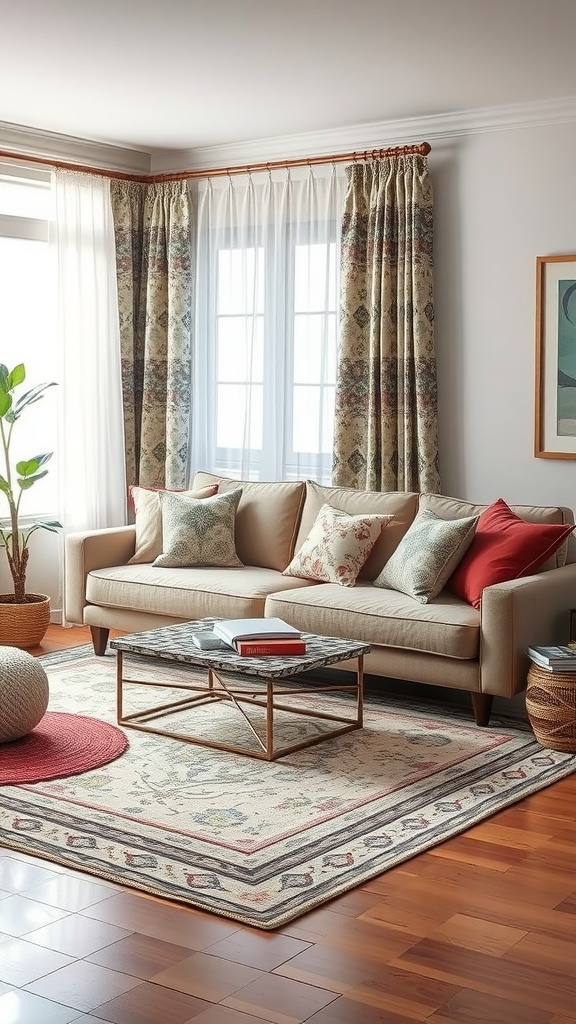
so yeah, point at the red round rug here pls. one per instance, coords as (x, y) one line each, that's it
(60, 745)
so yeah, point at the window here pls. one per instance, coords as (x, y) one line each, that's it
(253, 380)
(266, 332)
(27, 312)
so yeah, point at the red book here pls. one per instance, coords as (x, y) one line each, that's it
(270, 647)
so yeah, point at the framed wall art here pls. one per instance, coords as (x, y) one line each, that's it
(555, 399)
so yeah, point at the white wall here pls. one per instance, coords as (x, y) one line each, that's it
(501, 198)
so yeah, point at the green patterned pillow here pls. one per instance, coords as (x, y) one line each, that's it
(198, 531)
(427, 555)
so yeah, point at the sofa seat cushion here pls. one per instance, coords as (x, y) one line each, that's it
(186, 593)
(445, 626)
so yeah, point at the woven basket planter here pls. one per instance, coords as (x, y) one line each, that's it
(24, 625)
(551, 708)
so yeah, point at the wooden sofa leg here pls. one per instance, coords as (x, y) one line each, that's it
(482, 706)
(99, 639)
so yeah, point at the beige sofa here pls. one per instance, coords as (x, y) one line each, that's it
(445, 642)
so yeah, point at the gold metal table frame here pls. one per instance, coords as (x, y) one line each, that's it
(241, 681)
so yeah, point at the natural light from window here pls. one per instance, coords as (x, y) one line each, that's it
(254, 377)
(27, 319)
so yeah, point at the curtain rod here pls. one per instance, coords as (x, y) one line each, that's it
(418, 149)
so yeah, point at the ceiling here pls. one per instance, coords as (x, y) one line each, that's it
(182, 74)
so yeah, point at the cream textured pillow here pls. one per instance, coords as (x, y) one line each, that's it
(427, 555)
(198, 531)
(337, 546)
(148, 520)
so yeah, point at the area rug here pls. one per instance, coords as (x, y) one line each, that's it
(264, 842)
(60, 745)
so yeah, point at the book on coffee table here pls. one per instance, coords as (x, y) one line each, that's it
(233, 630)
(270, 648)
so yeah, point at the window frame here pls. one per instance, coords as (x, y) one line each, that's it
(278, 380)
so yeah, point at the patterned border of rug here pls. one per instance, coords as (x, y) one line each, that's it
(264, 842)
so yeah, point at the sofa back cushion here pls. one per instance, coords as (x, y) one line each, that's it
(403, 505)
(455, 508)
(267, 518)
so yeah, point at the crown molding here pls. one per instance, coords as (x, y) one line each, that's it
(49, 146)
(362, 137)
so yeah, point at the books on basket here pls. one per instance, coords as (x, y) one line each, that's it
(561, 658)
(234, 630)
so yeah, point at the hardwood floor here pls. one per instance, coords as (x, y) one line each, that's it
(479, 929)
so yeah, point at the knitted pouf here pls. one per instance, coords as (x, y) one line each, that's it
(23, 693)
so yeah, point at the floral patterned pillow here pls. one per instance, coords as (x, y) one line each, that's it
(198, 531)
(337, 546)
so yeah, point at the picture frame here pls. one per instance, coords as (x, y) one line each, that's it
(555, 382)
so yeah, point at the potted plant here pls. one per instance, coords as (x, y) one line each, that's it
(24, 617)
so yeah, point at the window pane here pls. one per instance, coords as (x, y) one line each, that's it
(240, 281)
(25, 199)
(314, 348)
(313, 424)
(240, 348)
(314, 277)
(239, 416)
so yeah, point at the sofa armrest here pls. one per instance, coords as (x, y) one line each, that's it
(516, 615)
(84, 552)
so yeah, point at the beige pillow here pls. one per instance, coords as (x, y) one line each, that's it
(337, 546)
(148, 520)
(198, 531)
(427, 555)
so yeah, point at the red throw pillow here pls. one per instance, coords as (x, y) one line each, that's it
(504, 547)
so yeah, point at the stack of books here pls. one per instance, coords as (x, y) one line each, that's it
(554, 659)
(260, 637)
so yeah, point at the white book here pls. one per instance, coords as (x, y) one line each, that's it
(232, 630)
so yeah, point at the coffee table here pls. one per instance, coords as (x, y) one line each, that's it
(260, 682)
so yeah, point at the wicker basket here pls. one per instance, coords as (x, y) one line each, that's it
(551, 708)
(24, 625)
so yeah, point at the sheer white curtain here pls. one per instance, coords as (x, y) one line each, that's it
(92, 489)
(267, 265)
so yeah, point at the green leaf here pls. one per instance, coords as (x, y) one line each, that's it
(25, 483)
(4, 485)
(30, 466)
(29, 397)
(5, 402)
(18, 376)
(51, 525)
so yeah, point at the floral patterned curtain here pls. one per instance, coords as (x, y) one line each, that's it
(386, 434)
(153, 259)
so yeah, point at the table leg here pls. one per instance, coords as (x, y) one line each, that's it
(270, 719)
(360, 696)
(118, 686)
